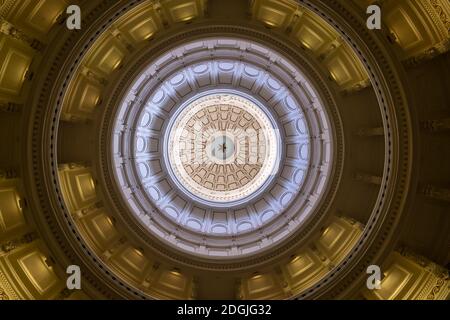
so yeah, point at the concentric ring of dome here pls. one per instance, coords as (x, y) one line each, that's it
(222, 147)
(283, 201)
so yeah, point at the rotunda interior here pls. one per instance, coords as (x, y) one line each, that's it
(230, 150)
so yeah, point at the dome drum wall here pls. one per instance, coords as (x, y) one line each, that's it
(121, 183)
(227, 138)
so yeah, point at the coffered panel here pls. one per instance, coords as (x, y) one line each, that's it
(338, 238)
(314, 34)
(11, 215)
(16, 58)
(173, 284)
(99, 229)
(303, 270)
(141, 25)
(106, 56)
(345, 69)
(83, 97)
(407, 276)
(418, 25)
(261, 286)
(33, 272)
(182, 10)
(78, 186)
(274, 13)
(132, 263)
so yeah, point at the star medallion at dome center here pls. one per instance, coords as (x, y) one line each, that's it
(222, 147)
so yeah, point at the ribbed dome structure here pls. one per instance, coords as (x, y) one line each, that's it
(220, 206)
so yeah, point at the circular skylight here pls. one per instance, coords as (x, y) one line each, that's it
(222, 147)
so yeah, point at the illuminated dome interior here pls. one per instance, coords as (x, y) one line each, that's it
(211, 149)
(242, 95)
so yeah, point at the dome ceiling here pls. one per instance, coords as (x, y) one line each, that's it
(177, 153)
(249, 104)
(222, 147)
